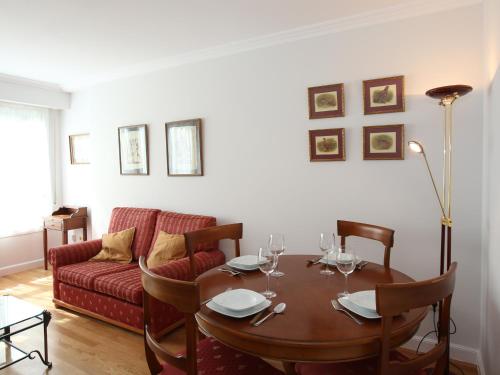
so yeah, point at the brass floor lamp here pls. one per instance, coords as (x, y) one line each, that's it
(447, 96)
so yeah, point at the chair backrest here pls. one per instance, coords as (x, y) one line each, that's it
(373, 232)
(185, 297)
(394, 299)
(212, 234)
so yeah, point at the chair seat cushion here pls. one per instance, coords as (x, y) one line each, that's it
(84, 274)
(125, 285)
(365, 367)
(216, 358)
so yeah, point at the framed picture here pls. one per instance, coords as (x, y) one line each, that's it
(184, 148)
(384, 95)
(326, 101)
(133, 147)
(384, 142)
(79, 145)
(327, 144)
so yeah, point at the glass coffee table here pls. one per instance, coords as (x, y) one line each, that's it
(17, 316)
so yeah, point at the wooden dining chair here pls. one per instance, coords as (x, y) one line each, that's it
(392, 301)
(193, 240)
(372, 232)
(207, 356)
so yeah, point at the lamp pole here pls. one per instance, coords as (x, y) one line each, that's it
(447, 96)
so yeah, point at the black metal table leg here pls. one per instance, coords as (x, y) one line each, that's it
(6, 331)
(47, 316)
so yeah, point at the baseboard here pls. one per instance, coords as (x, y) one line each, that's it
(14, 268)
(458, 352)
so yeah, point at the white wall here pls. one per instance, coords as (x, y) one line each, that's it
(254, 110)
(491, 323)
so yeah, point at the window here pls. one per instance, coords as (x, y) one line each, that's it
(25, 182)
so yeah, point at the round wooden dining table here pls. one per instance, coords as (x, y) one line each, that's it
(309, 330)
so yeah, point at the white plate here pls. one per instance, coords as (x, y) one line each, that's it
(238, 314)
(365, 313)
(238, 300)
(242, 268)
(332, 262)
(244, 263)
(364, 299)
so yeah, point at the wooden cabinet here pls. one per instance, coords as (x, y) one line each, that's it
(64, 219)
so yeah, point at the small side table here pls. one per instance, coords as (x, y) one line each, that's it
(64, 219)
(12, 312)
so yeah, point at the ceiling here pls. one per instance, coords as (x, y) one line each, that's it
(73, 42)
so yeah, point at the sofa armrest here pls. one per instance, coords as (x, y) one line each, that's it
(180, 269)
(74, 253)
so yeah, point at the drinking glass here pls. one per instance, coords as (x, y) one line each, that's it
(327, 245)
(346, 263)
(276, 245)
(267, 263)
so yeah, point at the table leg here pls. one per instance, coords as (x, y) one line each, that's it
(46, 320)
(6, 331)
(65, 237)
(45, 248)
(289, 368)
(85, 231)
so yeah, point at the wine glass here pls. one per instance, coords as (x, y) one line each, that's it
(276, 245)
(346, 263)
(267, 263)
(327, 245)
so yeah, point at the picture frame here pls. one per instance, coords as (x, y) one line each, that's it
(133, 150)
(327, 144)
(383, 142)
(184, 144)
(326, 101)
(384, 95)
(79, 148)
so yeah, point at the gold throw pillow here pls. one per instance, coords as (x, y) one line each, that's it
(116, 247)
(167, 248)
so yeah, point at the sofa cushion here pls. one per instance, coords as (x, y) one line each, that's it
(167, 248)
(116, 247)
(142, 219)
(176, 223)
(83, 274)
(125, 285)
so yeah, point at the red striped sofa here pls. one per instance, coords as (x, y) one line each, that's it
(113, 292)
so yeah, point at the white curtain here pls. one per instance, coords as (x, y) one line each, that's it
(25, 182)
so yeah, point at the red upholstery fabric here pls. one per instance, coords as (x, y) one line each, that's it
(69, 254)
(106, 306)
(216, 358)
(180, 269)
(367, 366)
(126, 285)
(74, 253)
(142, 219)
(176, 223)
(84, 274)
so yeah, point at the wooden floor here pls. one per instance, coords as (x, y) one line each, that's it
(80, 345)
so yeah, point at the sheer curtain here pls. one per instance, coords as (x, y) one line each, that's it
(25, 187)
